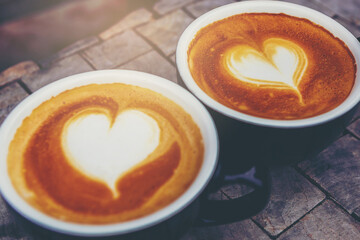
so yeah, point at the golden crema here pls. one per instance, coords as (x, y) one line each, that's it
(105, 153)
(272, 65)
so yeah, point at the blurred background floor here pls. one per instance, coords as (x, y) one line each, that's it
(38, 28)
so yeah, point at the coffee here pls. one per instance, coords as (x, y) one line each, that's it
(273, 66)
(104, 153)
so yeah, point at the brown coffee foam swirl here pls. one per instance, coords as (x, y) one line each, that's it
(323, 67)
(43, 176)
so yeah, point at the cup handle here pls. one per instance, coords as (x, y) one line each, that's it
(213, 212)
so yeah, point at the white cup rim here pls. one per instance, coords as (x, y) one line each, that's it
(270, 7)
(161, 85)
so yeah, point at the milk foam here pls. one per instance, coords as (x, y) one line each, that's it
(280, 65)
(103, 151)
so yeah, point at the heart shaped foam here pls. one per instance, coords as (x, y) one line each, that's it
(281, 64)
(104, 149)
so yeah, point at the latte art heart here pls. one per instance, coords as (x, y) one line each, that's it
(281, 64)
(104, 150)
(271, 65)
(105, 153)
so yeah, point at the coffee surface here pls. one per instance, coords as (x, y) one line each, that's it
(105, 153)
(272, 65)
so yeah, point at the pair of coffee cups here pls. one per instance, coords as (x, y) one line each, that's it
(237, 146)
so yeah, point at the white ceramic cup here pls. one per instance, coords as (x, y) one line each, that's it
(170, 90)
(268, 7)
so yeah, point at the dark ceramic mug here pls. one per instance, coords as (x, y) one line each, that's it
(177, 215)
(250, 140)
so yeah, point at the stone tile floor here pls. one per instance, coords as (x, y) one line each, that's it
(38, 28)
(315, 199)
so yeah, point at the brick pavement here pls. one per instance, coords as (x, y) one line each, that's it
(36, 35)
(315, 199)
